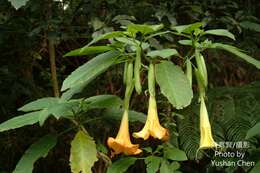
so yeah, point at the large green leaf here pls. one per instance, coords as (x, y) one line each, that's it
(39, 104)
(18, 3)
(89, 50)
(237, 52)
(20, 121)
(83, 153)
(164, 53)
(37, 150)
(121, 165)
(90, 70)
(174, 84)
(173, 153)
(253, 131)
(220, 32)
(152, 163)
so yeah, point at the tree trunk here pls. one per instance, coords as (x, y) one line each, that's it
(53, 68)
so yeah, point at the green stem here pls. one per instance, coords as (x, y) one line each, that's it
(151, 79)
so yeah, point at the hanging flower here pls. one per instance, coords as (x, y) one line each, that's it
(152, 126)
(122, 143)
(206, 139)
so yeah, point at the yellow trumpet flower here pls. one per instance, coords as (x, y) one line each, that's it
(206, 139)
(152, 126)
(122, 143)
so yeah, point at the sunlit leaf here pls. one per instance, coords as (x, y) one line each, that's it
(83, 153)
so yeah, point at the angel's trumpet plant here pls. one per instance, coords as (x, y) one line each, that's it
(122, 142)
(152, 126)
(206, 139)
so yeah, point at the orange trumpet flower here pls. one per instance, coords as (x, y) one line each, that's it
(122, 143)
(152, 126)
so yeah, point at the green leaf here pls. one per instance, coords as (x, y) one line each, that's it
(18, 3)
(121, 165)
(165, 167)
(144, 29)
(220, 32)
(90, 70)
(20, 121)
(64, 109)
(187, 28)
(152, 163)
(256, 168)
(185, 42)
(39, 104)
(174, 84)
(253, 131)
(72, 91)
(88, 50)
(117, 115)
(250, 25)
(37, 150)
(83, 153)
(164, 53)
(103, 101)
(132, 42)
(173, 153)
(175, 166)
(237, 52)
(105, 37)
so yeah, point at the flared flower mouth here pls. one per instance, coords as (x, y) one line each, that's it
(206, 139)
(122, 142)
(152, 126)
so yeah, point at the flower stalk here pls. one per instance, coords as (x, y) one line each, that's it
(122, 142)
